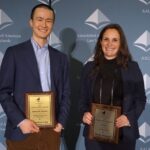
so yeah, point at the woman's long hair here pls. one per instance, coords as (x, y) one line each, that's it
(123, 56)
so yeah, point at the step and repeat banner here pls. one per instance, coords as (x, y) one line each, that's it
(77, 26)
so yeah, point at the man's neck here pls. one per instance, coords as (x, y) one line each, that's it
(40, 42)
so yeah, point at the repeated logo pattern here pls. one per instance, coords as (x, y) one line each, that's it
(144, 130)
(5, 20)
(54, 40)
(1, 57)
(54, 1)
(47, 1)
(2, 128)
(97, 20)
(143, 42)
(146, 78)
(146, 2)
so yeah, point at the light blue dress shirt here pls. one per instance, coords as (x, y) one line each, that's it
(43, 62)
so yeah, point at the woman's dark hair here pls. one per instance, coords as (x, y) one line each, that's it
(41, 6)
(123, 56)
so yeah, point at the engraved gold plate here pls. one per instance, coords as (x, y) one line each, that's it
(40, 108)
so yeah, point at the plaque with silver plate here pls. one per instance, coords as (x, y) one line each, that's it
(103, 126)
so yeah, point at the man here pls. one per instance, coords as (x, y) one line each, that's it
(34, 66)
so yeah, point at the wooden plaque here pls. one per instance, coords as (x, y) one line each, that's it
(40, 108)
(103, 126)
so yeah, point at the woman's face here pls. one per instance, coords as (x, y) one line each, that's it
(110, 43)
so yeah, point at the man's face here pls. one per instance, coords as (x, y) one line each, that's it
(42, 23)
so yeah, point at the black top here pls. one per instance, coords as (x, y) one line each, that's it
(108, 85)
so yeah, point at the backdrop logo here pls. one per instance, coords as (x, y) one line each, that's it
(44, 1)
(146, 78)
(5, 20)
(97, 20)
(2, 121)
(54, 41)
(47, 1)
(144, 132)
(54, 1)
(2, 128)
(146, 2)
(143, 42)
(91, 58)
(1, 57)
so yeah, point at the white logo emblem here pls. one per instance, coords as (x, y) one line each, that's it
(144, 132)
(91, 58)
(1, 57)
(54, 40)
(143, 42)
(47, 1)
(54, 1)
(44, 1)
(4, 20)
(2, 128)
(146, 78)
(97, 20)
(146, 2)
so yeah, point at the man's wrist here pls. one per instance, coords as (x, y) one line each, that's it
(21, 122)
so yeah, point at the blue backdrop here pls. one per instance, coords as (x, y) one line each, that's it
(76, 29)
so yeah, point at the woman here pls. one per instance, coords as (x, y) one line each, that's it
(113, 70)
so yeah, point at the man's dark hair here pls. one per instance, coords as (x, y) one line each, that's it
(41, 6)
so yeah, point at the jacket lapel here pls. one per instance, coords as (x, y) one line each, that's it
(126, 77)
(52, 68)
(31, 61)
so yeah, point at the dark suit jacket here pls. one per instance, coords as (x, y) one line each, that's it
(19, 74)
(134, 98)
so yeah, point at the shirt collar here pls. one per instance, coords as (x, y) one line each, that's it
(37, 47)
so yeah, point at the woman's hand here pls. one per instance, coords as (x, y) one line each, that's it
(87, 118)
(122, 121)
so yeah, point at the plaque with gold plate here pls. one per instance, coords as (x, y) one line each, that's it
(103, 126)
(40, 108)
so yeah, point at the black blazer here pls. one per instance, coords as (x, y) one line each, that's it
(134, 98)
(19, 74)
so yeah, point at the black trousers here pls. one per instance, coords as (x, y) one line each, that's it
(46, 139)
(124, 144)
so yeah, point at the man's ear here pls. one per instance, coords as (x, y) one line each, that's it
(30, 23)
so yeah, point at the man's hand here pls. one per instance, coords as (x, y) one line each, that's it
(58, 128)
(28, 126)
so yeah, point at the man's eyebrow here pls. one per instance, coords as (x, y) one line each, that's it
(45, 18)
